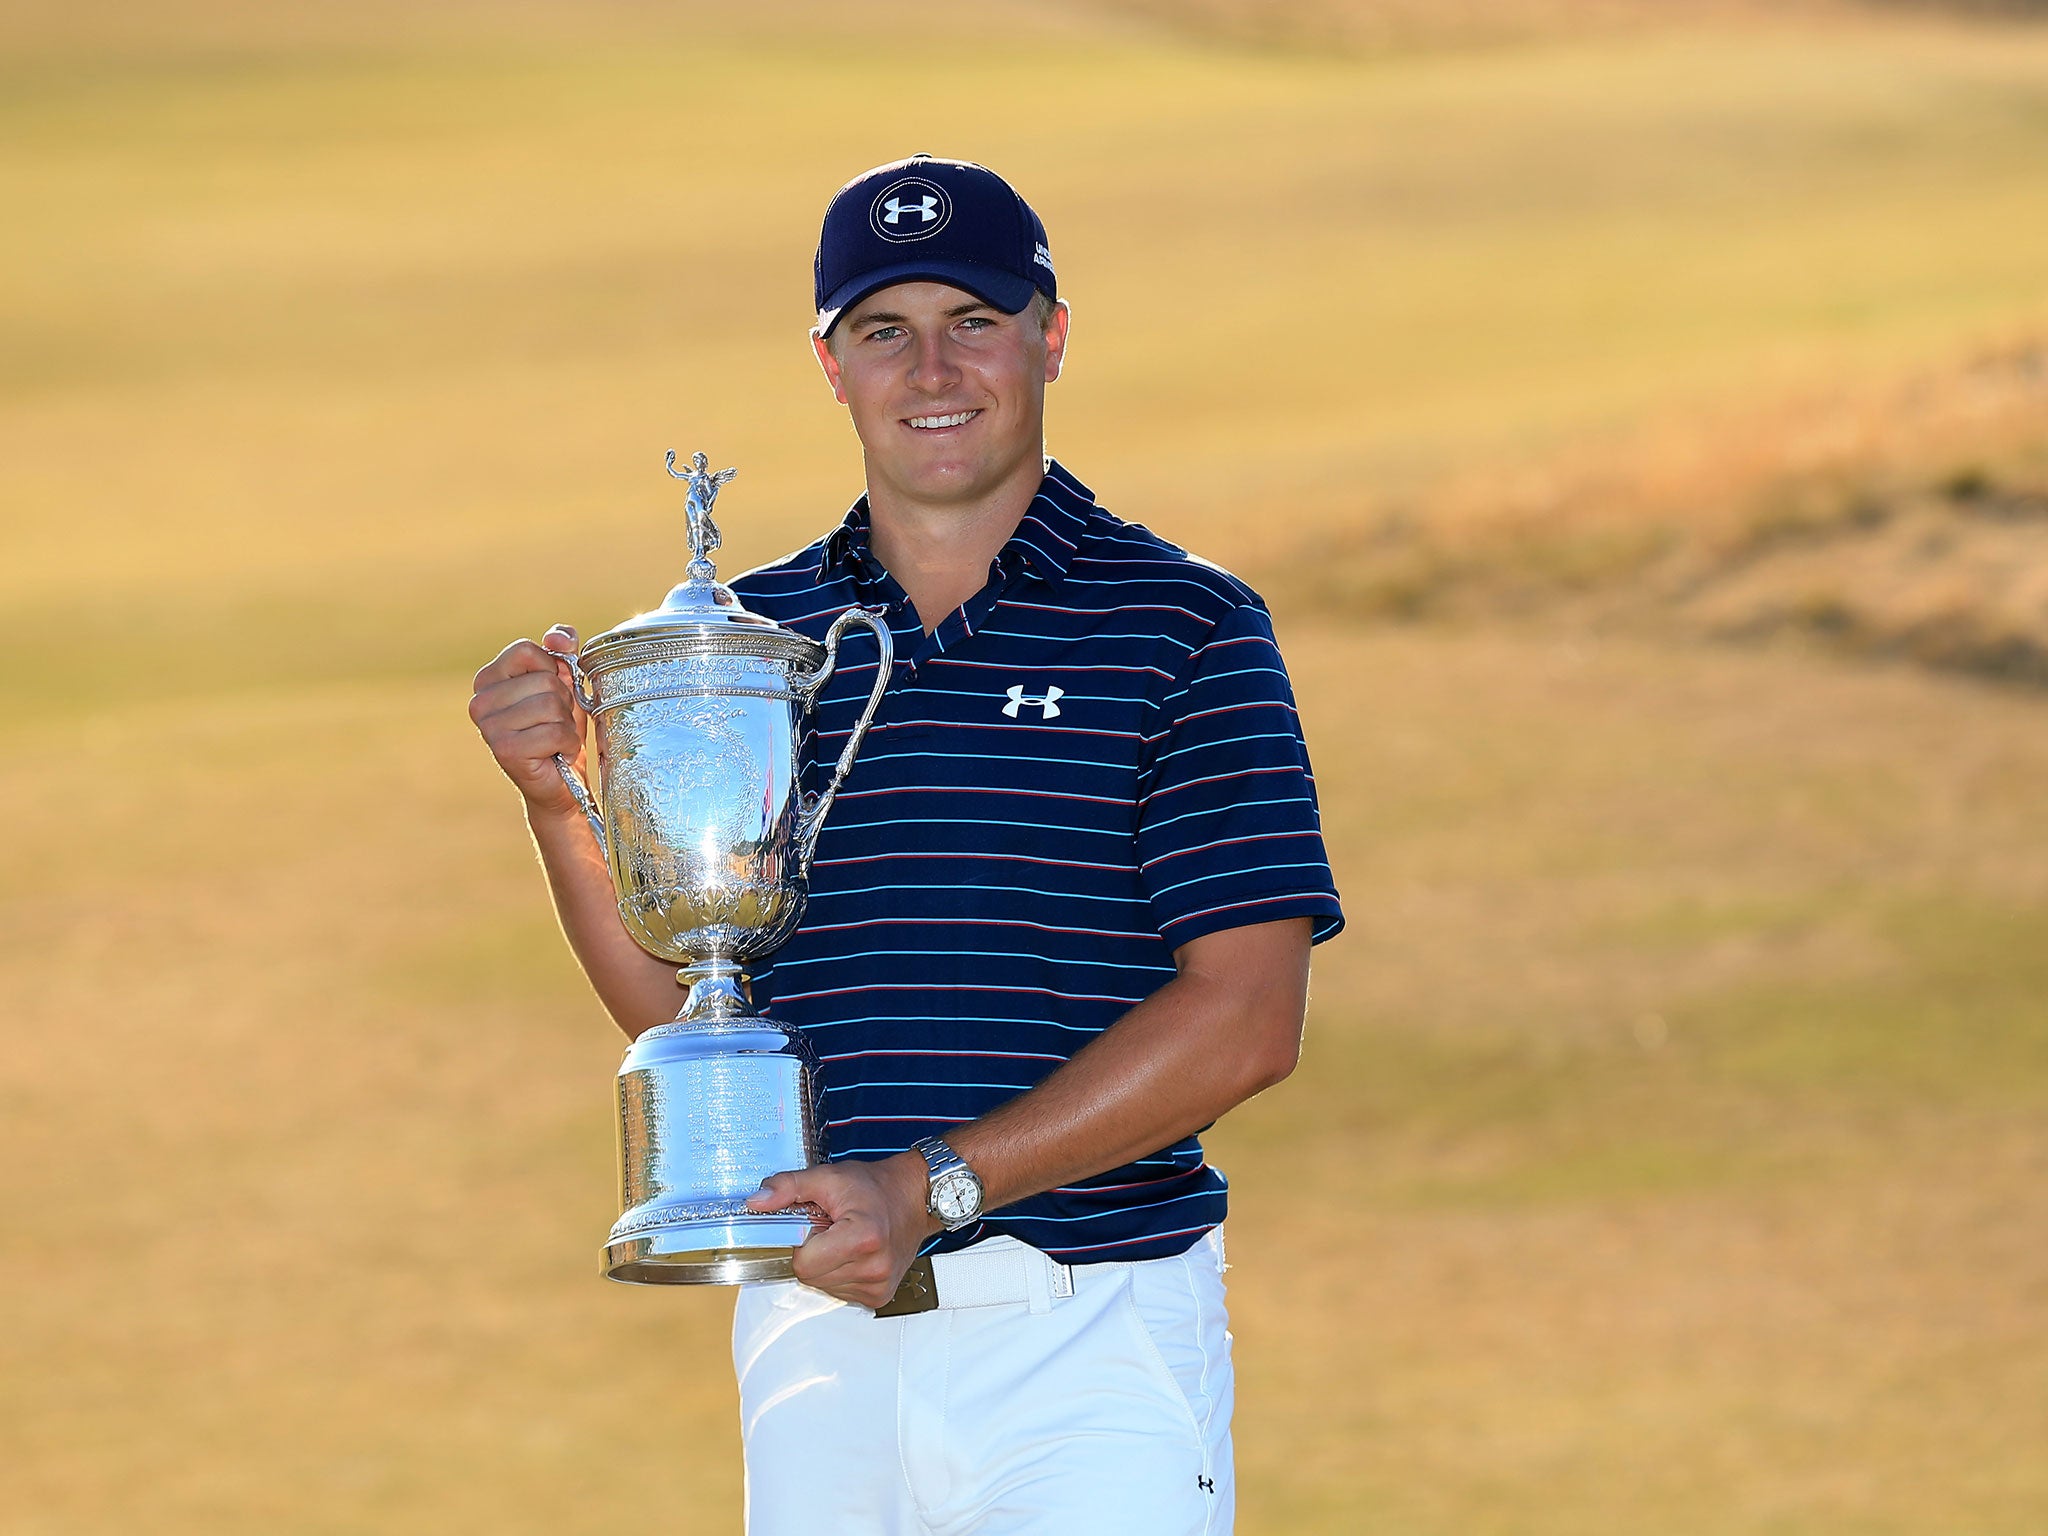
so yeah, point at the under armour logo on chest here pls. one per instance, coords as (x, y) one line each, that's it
(1048, 702)
(926, 208)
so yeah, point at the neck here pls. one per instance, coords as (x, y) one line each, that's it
(940, 552)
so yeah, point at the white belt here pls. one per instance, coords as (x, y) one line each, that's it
(997, 1273)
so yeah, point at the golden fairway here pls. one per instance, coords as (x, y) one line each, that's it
(1669, 1150)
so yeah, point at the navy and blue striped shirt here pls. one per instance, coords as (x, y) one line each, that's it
(1093, 761)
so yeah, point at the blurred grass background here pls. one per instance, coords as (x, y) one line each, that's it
(1636, 413)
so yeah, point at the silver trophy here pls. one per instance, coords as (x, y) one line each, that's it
(698, 710)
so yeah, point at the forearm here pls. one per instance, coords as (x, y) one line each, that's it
(1226, 1027)
(637, 989)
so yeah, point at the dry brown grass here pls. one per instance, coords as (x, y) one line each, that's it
(1344, 26)
(1907, 519)
(1396, 24)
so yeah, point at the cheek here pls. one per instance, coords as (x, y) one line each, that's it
(1002, 378)
(863, 394)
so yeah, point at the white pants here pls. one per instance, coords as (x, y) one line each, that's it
(1103, 1411)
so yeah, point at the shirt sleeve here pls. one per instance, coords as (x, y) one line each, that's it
(1229, 832)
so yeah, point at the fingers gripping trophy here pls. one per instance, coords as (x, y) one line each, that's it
(697, 708)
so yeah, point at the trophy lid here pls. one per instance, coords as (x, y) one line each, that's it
(695, 602)
(701, 609)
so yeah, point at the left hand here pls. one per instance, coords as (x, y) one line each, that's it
(878, 1220)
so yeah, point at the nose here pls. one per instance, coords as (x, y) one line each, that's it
(932, 367)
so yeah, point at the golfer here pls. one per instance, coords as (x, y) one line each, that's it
(1059, 923)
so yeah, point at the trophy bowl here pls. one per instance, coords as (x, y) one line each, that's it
(697, 711)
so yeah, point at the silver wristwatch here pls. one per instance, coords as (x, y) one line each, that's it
(955, 1193)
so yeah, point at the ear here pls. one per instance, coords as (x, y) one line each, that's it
(829, 363)
(1056, 341)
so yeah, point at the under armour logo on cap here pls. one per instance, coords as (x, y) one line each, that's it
(927, 220)
(1049, 705)
(910, 209)
(925, 210)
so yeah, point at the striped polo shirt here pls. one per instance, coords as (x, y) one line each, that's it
(1093, 761)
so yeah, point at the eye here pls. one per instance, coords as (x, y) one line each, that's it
(978, 322)
(884, 333)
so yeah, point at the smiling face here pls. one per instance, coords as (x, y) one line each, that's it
(947, 393)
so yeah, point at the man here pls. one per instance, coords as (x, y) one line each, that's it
(1058, 924)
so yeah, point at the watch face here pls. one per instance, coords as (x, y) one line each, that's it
(955, 1196)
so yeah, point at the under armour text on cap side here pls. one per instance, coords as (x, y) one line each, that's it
(930, 220)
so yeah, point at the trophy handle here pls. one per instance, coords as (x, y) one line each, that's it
(811, 818)
(577, 789)
(584, 804)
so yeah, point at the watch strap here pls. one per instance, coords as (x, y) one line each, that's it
(938, 1157)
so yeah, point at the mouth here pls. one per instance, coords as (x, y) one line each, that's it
(940, 423)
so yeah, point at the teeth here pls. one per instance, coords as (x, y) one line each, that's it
(943, 421)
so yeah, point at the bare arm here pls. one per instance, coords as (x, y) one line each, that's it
(637, 989)
(526, 711)
(1227, 1026)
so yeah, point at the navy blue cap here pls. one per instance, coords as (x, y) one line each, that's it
(927, 220)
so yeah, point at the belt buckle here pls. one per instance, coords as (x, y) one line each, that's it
(919, 1291)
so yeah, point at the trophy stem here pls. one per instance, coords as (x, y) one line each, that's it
(719, 989)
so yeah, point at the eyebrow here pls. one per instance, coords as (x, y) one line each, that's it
(888, 317)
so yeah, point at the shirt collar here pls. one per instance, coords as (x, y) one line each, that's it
(1043, 545)
(846, 547)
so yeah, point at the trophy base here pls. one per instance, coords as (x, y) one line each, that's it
(717, 1251)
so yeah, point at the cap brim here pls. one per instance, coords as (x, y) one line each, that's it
(1007, 291)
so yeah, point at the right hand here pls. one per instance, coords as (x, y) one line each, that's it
(524, 704)
(876, 1218)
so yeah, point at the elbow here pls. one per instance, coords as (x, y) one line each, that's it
(1277, 1069)
(1247, 988)
(1275, 1055)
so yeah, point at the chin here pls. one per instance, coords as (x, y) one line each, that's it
(951, 477)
